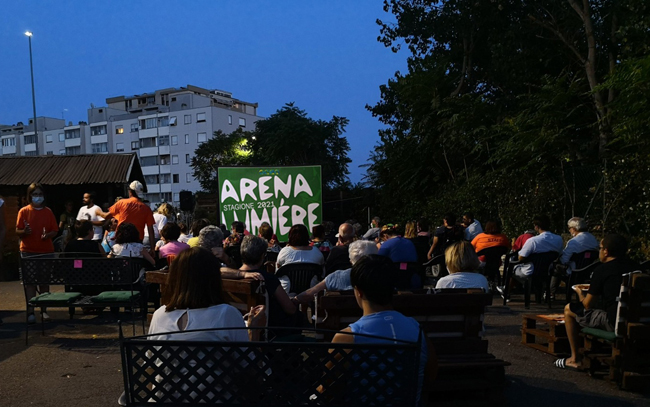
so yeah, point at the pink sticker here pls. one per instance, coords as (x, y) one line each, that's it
(403, 266)
(78, 264)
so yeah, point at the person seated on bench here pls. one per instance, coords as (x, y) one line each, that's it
(340, 279)
(462, 263)
(196, 302)
(282, 312)
(84, 242)
(128, 244)
(372, 279)
(597, 306)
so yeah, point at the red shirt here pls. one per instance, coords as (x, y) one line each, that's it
(38, 220)
(519, 243)
(132, 210)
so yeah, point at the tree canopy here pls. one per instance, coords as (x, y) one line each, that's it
(511, 108)
(287, 137)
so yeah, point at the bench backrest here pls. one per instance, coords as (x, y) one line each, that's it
(633, 313)
(80, 271)
(268, 373)
(451, 318)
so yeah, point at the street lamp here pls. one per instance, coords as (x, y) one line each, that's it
(31, 67)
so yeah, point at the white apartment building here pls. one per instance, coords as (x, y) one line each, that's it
(164, 128)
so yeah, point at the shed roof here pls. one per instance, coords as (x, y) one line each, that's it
(70, 169)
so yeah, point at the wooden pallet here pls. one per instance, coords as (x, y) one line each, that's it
(546, 333)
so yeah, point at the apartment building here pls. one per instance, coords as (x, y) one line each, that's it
(164, 128)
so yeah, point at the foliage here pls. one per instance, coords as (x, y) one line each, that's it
(513, 108)
(286, 138)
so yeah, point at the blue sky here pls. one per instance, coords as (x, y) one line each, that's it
(324, 56)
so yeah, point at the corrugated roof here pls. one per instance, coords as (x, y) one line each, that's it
(70, 169)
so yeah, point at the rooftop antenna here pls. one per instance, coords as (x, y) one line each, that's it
(63, 114)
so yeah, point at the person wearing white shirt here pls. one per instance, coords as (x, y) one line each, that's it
(545, 241)
(90, 212)
(462, 264)
(581, 241)
(472, 226)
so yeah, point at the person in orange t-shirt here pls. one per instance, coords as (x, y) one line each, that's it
(132, 210)
(491, 237)
(36, 227)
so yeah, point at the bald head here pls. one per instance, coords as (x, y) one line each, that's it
(346, 233)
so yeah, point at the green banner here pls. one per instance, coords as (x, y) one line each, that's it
(281, 196)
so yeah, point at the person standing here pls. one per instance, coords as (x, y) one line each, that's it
(36, 227)
(132, 210)
(89, 212)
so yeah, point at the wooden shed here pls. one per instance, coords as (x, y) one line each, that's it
(64, 178)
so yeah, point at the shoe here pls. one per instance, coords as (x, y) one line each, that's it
(45, 317)
(501, 290)
(122, 399)
(31, 319)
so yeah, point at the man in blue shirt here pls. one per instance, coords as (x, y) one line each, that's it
(581, 241)
(372, 280)
(472, 226)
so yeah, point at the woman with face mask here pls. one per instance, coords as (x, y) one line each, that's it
(36, 227)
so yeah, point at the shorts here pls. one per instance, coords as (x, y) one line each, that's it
(591, 318)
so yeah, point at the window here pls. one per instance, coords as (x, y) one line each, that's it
(188, 177)
(200, 117)
(31, 153)
(177, 197)
(172, 121)
(202, 137)
(72, 134)
(163, 140)
(166, 196)
(188, 160)
(174, 140)
(229, 119)
(8, 142)
(119, 147)
(134, 127)
(165, 178)
(119, 130)
(163, 121)
(173, 99)
(164, 160)
(175, 177)
(97, 130)
(148, 161)
(151, 179)
(62, 151)
(242, 122)
(50, 153)
(48, 138)
(135, 145)
(187, 139)
(31, 139)
(148, 142)
(100, 148)
(174, 159)
(188, 119)
(148, 123)
(61, 137)
(72, 150)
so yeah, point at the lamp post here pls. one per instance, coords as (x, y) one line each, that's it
(31, 68)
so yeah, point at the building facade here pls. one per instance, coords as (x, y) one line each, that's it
(163, 128)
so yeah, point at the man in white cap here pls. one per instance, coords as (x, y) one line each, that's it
(132, 210)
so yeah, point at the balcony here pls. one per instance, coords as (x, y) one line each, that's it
(102, 138)
(152, 170)
(73, 142)
(30, 147)
(149, 133)
(148, 151)
(153, 188)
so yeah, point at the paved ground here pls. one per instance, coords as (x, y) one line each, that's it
(77, 363)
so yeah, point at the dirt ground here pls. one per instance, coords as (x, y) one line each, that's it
(77, 362)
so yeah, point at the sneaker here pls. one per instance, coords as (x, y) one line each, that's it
(501, 290)
(45, 317)
(31, 319)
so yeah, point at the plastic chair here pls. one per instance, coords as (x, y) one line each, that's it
(300, 274)
(493, 262)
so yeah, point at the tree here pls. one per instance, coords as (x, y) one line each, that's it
(289, 137)
(222, 150)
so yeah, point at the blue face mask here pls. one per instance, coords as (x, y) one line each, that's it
(37, 200)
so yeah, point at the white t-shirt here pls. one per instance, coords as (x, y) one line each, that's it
(290, 255)
(159, 222)
(128, 249)
(86, 213)
(464, 280)
(216, 316)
